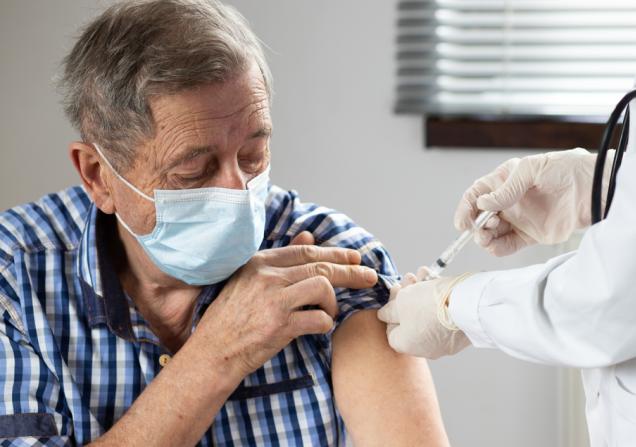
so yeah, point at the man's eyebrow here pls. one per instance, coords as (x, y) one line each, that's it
(262, 132)
(188, 154)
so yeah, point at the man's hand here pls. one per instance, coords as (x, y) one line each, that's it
(540, 199)
(279, 295)
(417, 318)
(261, 309)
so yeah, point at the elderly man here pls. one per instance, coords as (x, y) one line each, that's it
(177, 297)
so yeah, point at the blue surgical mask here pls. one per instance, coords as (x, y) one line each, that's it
(203, 235)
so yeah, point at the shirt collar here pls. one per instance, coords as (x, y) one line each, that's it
(104, 297)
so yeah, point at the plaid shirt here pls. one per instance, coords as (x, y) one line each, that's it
(75, 353)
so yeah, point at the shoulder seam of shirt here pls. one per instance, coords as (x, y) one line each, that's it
(32, 249)
(5, 304)
(43, 217)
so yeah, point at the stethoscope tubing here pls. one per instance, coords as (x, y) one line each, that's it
(597, 182)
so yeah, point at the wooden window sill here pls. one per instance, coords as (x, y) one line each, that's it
(544, 134)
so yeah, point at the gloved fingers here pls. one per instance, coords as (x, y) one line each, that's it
(490, 230)
(393, 292)
(424, 274)
(408, 280)
(520, 180)
(469, 207)
(389, 313)
(398, 339)
(492, 223)
(484, 236)
(465, 215)
(458, 342)
(466, 211)
(506, 245)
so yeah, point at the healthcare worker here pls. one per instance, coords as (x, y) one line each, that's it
(576, 310)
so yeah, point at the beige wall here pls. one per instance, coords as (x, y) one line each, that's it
(337, 142)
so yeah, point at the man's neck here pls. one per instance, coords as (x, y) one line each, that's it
(166, 303)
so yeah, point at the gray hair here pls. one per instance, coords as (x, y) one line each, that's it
(137, 49)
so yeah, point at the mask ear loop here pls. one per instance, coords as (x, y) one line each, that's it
(125, 225)
(126, 182)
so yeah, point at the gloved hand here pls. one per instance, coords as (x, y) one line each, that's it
(418, 322)
(540, 199)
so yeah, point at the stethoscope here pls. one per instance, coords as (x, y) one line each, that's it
(597, 182)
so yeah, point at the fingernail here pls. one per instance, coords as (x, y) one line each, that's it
(370, 274)
(354, 257)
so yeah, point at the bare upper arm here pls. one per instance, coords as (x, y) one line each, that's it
(385, 398)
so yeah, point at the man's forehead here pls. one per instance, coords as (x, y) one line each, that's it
(242, 96)
(206, 118)
(205, 104)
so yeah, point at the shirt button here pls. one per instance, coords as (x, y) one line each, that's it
(164, 359)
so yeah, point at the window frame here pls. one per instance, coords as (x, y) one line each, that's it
(495, 132)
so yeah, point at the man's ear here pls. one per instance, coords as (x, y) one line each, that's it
(91, 169)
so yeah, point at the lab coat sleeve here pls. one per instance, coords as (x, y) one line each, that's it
(578, 309)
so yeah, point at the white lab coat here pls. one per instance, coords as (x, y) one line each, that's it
(576, 310)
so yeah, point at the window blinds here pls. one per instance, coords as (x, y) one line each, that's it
(571, 58)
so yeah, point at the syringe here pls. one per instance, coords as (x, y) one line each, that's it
(453, 249)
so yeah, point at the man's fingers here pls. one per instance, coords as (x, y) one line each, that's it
(304, 238)
(348, 276)
(293, 255)
(315, 291)
(389, 313)
(310, 322)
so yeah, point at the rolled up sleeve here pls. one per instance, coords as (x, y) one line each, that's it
(31, 413)
(288, 217)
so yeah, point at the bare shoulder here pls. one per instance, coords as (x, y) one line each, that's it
(383, 396)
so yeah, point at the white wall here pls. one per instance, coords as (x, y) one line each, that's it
(337, 142)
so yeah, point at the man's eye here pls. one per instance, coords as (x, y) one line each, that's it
(253, 164)
(253, 167)
(191, 178)
(250, 162)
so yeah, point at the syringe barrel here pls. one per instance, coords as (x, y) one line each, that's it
(453, 249)
(481, 220)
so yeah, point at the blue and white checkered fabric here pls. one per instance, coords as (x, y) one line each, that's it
(75, 353)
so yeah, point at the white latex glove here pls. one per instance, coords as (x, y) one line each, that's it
(418, 322)
(541, 199)
(408, 280)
